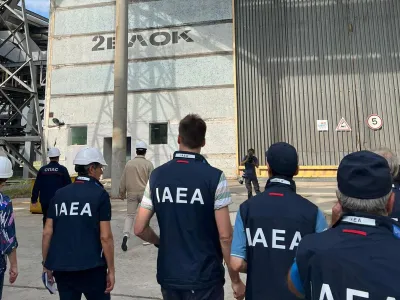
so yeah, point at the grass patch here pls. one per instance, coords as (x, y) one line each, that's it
(18, 190)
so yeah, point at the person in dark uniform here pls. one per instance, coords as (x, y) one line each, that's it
(393, 162)
(78, 246)
(270, 226)
(190, 199)
(358, 258)
(49, 179)
(250, 162)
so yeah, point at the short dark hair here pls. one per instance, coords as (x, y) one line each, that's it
(84, 170)
(141, 151)
(192, 131)
(274, 173)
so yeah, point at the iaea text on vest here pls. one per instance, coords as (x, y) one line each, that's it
(181, 196)
(259, 237)
(359, 220)
(326, 294)
(74, 210)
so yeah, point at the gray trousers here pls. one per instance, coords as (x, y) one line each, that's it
(132, 206)
(254, 181)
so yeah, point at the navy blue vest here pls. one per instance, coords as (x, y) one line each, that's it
(183, 194)
(275, 221)
(75, 210)
(357, 259)
(396, 208)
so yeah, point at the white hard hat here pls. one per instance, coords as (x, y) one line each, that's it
(6, 170)
(53, 152)
(141, 145)
(89, 155)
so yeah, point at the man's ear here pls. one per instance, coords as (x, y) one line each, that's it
(91, 170)
(390, 203)
(204, 143)
(179, 139)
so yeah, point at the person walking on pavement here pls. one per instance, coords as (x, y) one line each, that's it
(133, 182)
(250, 162)
(190, 199)
(269, 227)
(78, 246)
(393, 162)
(8, 238)
(359, 256)
(49, 179)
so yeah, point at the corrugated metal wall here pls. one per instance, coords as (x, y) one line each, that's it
(300, 61)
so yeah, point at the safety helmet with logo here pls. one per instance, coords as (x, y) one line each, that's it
(89, 155)
(53, 152)
(141, 145)
(6, 170)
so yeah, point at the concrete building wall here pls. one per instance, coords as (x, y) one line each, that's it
(180, 62)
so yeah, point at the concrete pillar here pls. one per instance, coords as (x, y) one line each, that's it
(120, 96)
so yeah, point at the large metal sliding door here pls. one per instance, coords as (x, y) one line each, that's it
(301, 61)
(375, 40)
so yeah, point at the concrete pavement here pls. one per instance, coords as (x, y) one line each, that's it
(136, 268)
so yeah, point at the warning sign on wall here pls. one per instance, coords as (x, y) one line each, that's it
(374, 122)
(343, 126)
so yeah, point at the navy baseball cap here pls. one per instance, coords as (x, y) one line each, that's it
(364, 175)
(282, 159)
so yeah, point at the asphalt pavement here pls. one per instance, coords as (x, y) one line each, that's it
(136, 268)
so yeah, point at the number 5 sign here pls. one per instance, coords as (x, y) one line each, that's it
(374, 122)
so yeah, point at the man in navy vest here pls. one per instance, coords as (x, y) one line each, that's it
(190, 199)
(269, 227)
(49, 179)
(358, 258)
(77, 246)
(393, 162)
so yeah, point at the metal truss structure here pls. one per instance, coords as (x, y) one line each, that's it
(23, 45)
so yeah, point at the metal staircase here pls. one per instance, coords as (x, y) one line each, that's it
(23, 45)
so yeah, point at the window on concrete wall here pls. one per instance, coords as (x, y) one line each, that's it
(158, 133)
(79, 135)
(128, 148)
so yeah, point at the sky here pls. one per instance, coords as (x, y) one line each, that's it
(40, 7)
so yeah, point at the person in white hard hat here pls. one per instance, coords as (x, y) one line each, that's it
(133, 183)
(8, 238)
(49, 179)
(78, 245)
